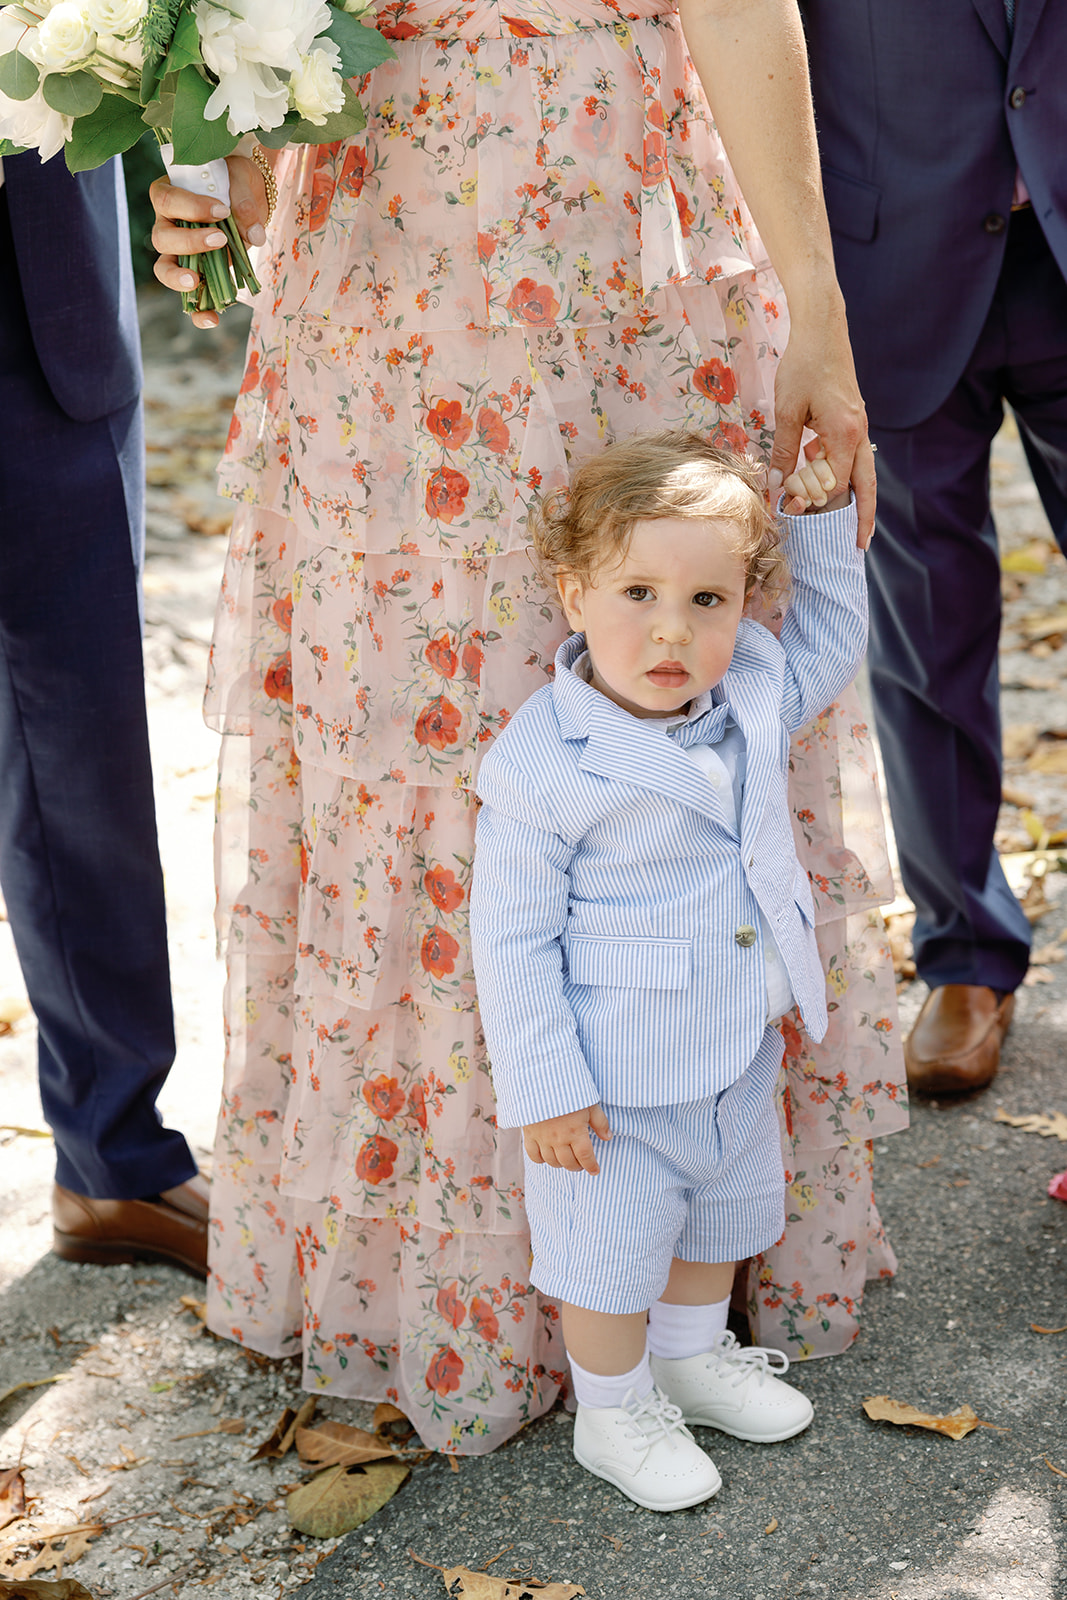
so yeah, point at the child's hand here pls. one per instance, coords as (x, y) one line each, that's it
(811, 486)
(564, 1141)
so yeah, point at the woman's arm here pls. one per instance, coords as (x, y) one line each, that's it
(752, 61)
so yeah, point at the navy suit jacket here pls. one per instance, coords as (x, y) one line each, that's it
(921, 127)
(72, 250)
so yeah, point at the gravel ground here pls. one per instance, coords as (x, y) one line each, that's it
(146, 1436)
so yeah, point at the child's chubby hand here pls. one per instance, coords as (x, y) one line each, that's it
(812, 487)
(565, 1142)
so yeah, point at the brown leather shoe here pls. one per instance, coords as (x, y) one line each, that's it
(955, 1044)
(172, 1228)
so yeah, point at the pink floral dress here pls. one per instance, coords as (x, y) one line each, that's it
(535, 247)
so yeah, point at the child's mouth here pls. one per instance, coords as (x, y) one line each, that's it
(668, 675)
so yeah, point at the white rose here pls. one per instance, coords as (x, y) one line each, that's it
(118, 17)
(64, 38)
(277, 33)
(316, 88)
(118, 60)
(33, 125)
(252, 96)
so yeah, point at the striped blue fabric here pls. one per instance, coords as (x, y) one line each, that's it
(612, 907)
(702, 1181)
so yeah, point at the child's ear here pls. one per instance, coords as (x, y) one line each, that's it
(571, 593)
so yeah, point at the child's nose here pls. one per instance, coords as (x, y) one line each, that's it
(671, 627)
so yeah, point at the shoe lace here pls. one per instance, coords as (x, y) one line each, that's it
(746, 1361)
(652, 1416)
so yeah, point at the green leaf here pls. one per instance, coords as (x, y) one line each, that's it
(113, 127)
(159, 112)
(9, 148)
(278, 138)
(340, 1499)
(151, 74)
(361, 47)
(18, 76)
(185, 46)
(75, 94)
(339, 125)
(194, 138)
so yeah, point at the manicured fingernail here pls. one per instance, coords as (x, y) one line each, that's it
(257, 233)
(774, 478)
(187, 281)
(219, 210)
(214, 238)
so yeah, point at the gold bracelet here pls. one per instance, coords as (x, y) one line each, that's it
(267, 175)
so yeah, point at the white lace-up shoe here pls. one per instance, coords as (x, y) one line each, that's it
(644, 1448)
(733, 1389)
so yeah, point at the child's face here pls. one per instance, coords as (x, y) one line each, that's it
(660, 625)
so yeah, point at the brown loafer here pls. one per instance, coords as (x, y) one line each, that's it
(954, 1046)
(170, 1228)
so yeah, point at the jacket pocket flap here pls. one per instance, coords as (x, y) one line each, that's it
(629, 963)
(851, 205)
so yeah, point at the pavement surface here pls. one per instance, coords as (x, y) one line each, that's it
(134, 1427)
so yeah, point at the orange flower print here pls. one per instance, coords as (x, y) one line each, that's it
(282, 612)
(444, 1372)
(417, 1105)
(486, 247)
(493, 431)
(686, 214)
(449, 423)
(441, 656)
(278, 679)
(384, 1096)
(374, 1163)
(438, 725)
(303, 862)
(471, 658)
(446, 494)
(354, 172)
(730, 436)
(322, 190)
(484, 1319)
(519, 28)
(655, 148)
(533, 303)
(439, 952)
(250, 380)
(715, 380)
(450, 1306)
(443, 889)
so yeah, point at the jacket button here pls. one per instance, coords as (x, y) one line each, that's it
(745, 936)
(994, 223)
(1017, 98)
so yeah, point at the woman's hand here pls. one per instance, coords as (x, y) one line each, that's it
(815, 387)
(248, 204)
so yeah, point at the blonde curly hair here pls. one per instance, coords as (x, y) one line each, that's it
(647, 477)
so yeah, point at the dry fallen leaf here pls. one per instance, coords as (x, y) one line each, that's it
(1048, 954)
(1035, 1327)
(43, 1589)
(60, 1547)
(282, 1436)
(1018, 739)
(390, 1421)
(957, 1424)
(343, 1498)
(771, 1526)
(189, 1302)
(483, 1586)
(1049, 1126)
(1043, 624)
(12, 1495)
(1030, 557)
(31, 1383)
(224, 1425)
(1057, 1470)
(335, 1444)
(1047, 757)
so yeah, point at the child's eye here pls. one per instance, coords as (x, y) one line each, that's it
(638, 591)
(706, 598)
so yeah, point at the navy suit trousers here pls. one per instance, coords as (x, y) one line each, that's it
(79, 861)
(934, 579)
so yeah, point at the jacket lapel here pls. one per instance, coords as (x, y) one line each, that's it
(995, 20)
(1027, 16)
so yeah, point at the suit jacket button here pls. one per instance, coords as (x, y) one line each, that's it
(1017, 98)
(745, 936)
(994, 223)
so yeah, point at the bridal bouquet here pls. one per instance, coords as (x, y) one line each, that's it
(89, 76)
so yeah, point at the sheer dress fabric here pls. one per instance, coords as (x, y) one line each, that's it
(536, 246)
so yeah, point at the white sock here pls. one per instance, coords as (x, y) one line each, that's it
(675, 1332)
(596, 1390)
